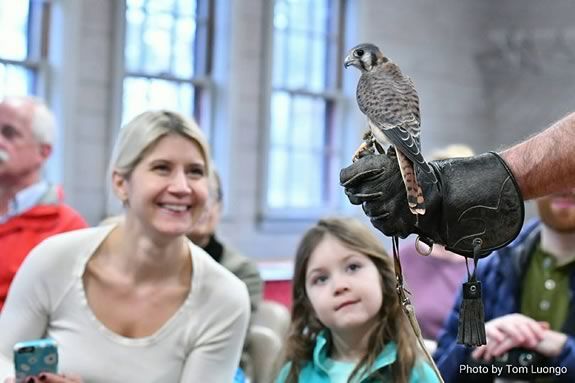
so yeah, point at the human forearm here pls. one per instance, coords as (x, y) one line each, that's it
(25, 314)
(544, 163)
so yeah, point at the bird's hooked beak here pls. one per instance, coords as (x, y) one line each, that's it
(349, 61)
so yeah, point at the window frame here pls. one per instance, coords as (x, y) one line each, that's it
(207, 82)
(202, 84)
(38, 41)
(335, 102)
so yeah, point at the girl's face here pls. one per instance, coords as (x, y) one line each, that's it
(343, 286)
(168, 189)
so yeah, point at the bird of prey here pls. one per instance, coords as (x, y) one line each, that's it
(389, 100)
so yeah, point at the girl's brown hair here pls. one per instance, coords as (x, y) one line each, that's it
(392, 324)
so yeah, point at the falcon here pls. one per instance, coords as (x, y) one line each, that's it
(389, 100)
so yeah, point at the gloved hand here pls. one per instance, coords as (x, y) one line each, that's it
(475, 197)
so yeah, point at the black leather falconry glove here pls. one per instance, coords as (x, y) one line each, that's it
(475, 197)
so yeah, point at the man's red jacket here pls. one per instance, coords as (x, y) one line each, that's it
(22, 233)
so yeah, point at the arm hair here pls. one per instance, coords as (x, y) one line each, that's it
(545, 163)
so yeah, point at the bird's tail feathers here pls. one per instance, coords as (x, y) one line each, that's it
(424, 170)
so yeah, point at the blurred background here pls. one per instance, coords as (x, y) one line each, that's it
(265, 81)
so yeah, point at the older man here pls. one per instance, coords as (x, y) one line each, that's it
(30, 208)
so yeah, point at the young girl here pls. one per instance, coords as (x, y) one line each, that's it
(347, 321)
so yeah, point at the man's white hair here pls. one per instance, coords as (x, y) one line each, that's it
(42, 121)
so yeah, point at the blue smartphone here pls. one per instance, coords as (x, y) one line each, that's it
(35, 357)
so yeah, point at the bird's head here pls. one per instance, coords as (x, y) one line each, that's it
(364, 57)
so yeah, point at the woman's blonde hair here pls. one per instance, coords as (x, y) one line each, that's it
(139, 135)
(392, 326)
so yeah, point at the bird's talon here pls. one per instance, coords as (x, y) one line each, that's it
(364, 149)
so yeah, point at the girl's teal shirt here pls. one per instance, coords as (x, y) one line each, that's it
(316, 370)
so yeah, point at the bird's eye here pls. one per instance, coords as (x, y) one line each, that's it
(359, 52)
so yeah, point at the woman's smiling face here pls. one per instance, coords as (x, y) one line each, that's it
(168, 188)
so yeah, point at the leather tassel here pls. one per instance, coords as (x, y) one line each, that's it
(471, 326)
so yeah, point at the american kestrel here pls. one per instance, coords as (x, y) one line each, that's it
(389, 100)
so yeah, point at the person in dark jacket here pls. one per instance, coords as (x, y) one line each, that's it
(203, 234)
(529, 309)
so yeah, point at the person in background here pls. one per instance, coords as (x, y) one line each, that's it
(528, 289)
(348, 324)
(31, 209)
(203, 234)
(136, 301)
(435, 279)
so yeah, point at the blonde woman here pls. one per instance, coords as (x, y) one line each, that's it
(135, 301)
